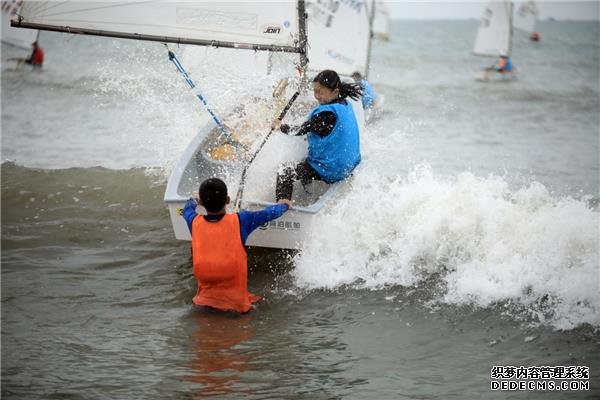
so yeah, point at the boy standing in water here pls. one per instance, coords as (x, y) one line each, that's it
(218, 253)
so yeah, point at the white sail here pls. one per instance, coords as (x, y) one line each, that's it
(525, 17)
(495, 30)
(381, 20)
(199, 22)
(338, 36)
(14, 36)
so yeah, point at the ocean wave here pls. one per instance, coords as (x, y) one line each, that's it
(21, 183)
(485, 242)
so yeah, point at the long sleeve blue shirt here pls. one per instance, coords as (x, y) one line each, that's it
(368, 97)
(249, 220)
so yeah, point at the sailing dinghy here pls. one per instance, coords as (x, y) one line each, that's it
(332, 35)
(19, 39)
(526, 18)
(381, 21)
(494, 37)
(201, 160)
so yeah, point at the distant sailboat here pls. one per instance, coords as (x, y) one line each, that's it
(20, 39)
(381, 21)
(494, 37)
(526, 18)
(332, 35)
(379, 25)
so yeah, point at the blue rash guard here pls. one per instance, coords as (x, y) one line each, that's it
(368, 96)
(336, 155)
(249, 220)
(507, 67)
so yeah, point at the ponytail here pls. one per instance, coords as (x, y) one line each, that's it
(330, 79)
(352, 90)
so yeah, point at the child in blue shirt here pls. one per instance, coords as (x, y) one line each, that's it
(249, 220)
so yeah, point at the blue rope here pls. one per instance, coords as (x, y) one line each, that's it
(190, 82)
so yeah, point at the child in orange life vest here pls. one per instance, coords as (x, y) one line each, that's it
(218, 253)
(36, 59)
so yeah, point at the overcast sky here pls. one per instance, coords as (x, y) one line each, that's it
(422, 9)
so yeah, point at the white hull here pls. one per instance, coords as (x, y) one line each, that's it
(495, 76)
(14, 65)
(288, 231)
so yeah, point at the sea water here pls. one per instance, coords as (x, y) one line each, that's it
(468, 237)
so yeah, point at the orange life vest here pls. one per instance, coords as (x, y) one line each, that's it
(221, 264)
(37, 58)
(502, 64)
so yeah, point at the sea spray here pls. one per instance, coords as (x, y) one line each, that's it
(166, 116)
(164, 113)
(487, 243)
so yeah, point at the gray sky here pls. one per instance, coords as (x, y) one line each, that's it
(423, 9)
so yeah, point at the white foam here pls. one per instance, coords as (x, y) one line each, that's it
(488, 243)
(128, 106)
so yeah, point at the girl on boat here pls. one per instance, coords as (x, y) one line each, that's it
(333, 136)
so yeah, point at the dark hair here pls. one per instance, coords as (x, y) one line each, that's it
(213, 194)
(356, 76)
(331, 80)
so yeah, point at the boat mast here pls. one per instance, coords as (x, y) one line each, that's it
(302, 31)
(152, 38)
(371, 19)
(510, 28)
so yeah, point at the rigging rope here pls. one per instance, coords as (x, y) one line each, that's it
(173, 58)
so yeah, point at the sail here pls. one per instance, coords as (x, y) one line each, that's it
(381, 20)
(525, 17)
(240, 24)
(16, 37)
(495, 30)
(338, 35)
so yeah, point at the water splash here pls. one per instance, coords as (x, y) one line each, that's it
(487, 243)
